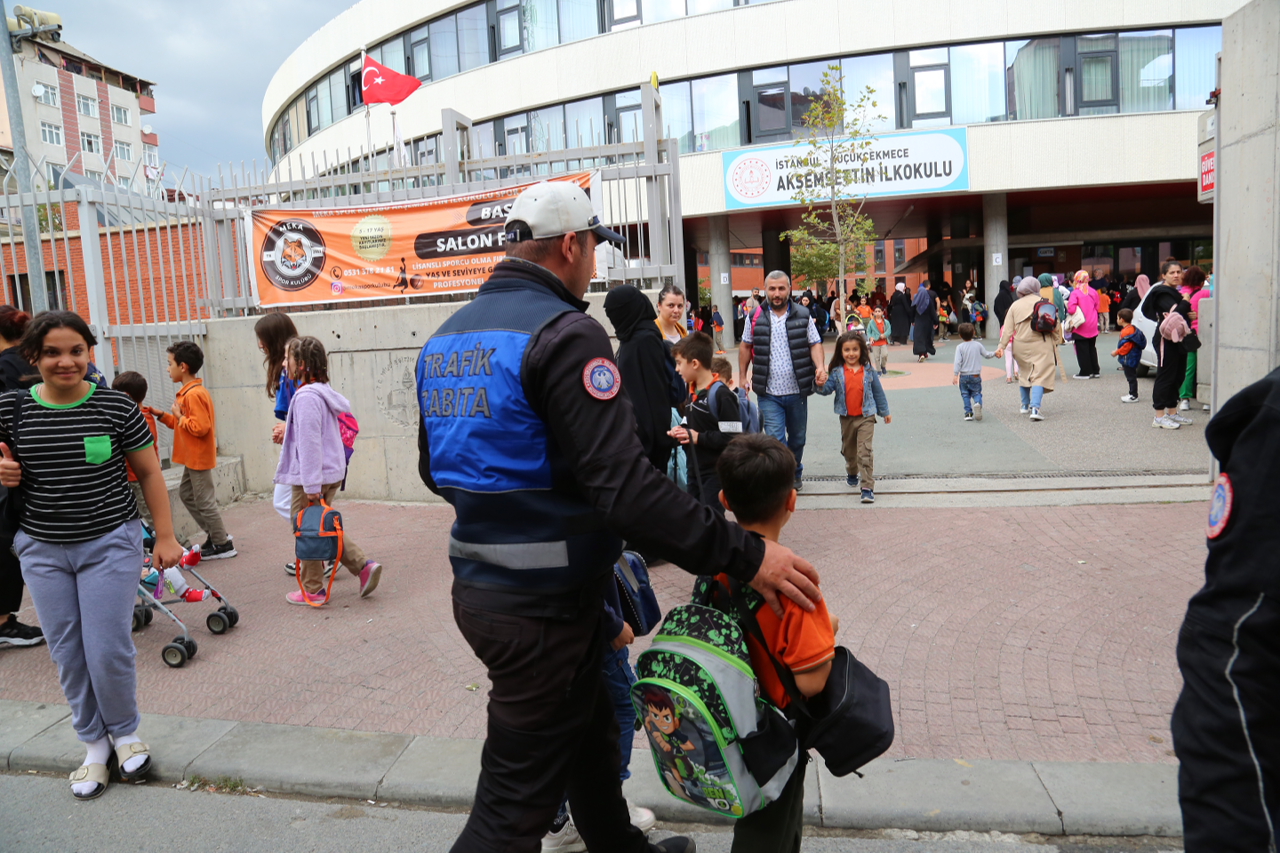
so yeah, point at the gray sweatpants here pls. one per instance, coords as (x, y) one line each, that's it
(84, 594)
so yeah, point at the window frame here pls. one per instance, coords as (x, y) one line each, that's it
(48, 89)
(91, 148)
(119, 148)
(151, 155)
(116, 111)
(52, 130)
(86, 100)
(912, 71)
(1078, 72)
(512, 8)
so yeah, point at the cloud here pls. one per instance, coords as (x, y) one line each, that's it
(210, 62)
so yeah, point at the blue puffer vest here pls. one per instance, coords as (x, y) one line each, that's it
(522, 524)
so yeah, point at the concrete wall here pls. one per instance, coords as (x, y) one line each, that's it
(372, 355)
(1247, 232)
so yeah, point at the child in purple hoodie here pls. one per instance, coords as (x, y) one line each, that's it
(313, 462)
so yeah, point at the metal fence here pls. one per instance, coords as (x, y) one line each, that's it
(147, 269)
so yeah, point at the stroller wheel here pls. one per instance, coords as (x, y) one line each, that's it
(190, 647)
(147, 615)
(138, 618)
(217, 622)
(233, 615)
(174, 654)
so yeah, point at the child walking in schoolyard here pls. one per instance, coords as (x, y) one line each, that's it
(713, 417)
(65, 443)
(757, 474)
(135, 385)
(314, 463)
(878, 331)
(195, 446)
(859, 400)
(1129, 352)
(968, 372)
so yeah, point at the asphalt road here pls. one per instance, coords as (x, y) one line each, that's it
(39, 815)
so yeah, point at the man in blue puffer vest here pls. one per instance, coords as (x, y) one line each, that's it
(526, 432)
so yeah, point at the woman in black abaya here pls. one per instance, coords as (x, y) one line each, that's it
(924, 313)
(647, 369)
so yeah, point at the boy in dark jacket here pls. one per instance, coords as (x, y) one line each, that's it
(712, 421)
(1129, 352)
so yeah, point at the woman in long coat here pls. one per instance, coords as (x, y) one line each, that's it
(1036, 353)
(924, 314)
(899, 314)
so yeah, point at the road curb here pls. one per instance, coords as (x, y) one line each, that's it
(1048, 797)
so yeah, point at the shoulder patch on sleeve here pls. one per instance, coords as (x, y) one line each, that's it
(602, 379)
(1220, 506)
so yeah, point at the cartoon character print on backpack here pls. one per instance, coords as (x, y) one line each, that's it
(687, 752)
(681, 670)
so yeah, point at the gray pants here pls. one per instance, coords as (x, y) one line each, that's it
(199, 497)
(84, 595)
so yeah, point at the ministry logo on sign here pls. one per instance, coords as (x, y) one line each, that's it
(752, 177)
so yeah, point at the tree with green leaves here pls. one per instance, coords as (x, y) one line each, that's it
(837, 133)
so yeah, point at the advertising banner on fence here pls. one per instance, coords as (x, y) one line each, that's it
(908, 163)
(413, 248)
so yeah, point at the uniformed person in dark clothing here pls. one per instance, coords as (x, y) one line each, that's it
(526, 433)
(1226, 725)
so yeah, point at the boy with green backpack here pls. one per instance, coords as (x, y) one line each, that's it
(715, 743)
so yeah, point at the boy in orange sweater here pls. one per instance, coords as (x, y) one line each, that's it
(195, 445)
(757, 477)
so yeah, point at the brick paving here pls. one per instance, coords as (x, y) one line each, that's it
(1032, 633)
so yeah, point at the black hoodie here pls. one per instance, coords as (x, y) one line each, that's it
(646, 367)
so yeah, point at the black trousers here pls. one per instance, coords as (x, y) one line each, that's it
(1226, 727)
(707, 490)
(10, 578)
(1170, 375)
(1131, 374)
(551, 728)
(1087, 355)
(777, 827)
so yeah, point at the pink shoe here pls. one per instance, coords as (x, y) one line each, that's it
(300, 597)
(369, 577)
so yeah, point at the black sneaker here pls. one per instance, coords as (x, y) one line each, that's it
(674, 844)
(15, 633)
(799, 485)
(209, 551)
(868, 496)
(852, 480)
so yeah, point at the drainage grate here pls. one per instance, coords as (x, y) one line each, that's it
(1026, 475)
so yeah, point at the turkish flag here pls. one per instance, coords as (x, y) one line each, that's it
(381, 85)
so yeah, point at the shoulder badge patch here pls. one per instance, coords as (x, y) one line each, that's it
(602, 379)
(1220, 506)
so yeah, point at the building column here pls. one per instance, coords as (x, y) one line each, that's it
(995, 252)
(776, 252)
(721, 273)
(936, 260)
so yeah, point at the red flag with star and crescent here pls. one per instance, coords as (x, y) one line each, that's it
(381, 85)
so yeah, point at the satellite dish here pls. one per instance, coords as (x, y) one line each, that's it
(146, 128)
(37, 90)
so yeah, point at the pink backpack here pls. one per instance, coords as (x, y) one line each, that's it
(348, 428)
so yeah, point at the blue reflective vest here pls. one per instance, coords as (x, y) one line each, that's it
(522, 523)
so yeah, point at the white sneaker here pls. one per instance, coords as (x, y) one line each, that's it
(641, 818)
(1023, 410)
(1128, 398)
(1205, 407)
(567, 840)
(1184, 405)
(1179, 419)
(977, 411)
(1164, 423)
(1035, 414)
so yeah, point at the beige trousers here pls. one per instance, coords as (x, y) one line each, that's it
(198, 496)
(352, 556)
(855, 446)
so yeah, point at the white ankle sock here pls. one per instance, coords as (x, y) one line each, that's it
(136, 761)
(97, 753)
(173, 577)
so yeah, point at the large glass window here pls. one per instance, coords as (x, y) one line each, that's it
(1195, 65)
(715, 113)
(806, 87)
(473, 38)
(579, 19)
(546, 129)
(698, 7)
(1099, 85)
(929, 86)
(510, 27)
(677, 113)
(769, 101)
(876, 73)
(444, 47)
(1146, 71)
(630, 119)
(662, 10)
(515, 130)
(584, 122)
(977, 83)
(481, 137)
(393, 54)
(338, 94)
(420, 54)
(541, 24)
(324, 102)
(1032, 78)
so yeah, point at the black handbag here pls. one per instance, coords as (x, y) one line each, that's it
(11, 500)
(850, 722)
(1191, 343)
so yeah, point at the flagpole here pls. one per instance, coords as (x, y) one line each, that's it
(368, 129)
(395, 143)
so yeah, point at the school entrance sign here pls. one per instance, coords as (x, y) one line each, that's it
(894, 164)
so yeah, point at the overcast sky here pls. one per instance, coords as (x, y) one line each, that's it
(211, 61)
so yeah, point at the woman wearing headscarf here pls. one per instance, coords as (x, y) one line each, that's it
(924, 313)
(1161, 301)
(647, 369)
(1085, 336)
(899, 314)
(1001, 307)
(1049, 290)
(1133, 297)
(1037, 353)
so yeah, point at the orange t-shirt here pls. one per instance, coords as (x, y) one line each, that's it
(853, 388)
(864, 311)
(155, 439)
(801, 641)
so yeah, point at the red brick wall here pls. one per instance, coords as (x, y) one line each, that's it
(108, 131)
(70, 119)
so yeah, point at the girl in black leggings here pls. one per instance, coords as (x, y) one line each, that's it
(1161, 300)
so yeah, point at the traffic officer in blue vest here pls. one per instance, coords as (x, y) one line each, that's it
(526, 431)
(1226, 724)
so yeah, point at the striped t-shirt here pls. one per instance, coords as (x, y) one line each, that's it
(72, 456)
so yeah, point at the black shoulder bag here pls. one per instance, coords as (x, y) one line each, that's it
(850, 722)
(11, 500)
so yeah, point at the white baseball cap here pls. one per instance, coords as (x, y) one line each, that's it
(552, 208)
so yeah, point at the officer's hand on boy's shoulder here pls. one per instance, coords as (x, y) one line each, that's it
(783, 571)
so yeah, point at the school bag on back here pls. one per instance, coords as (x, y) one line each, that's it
(1044, 317)
(715, 742)
(748, 412)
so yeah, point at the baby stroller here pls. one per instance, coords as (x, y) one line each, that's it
(183, 647)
